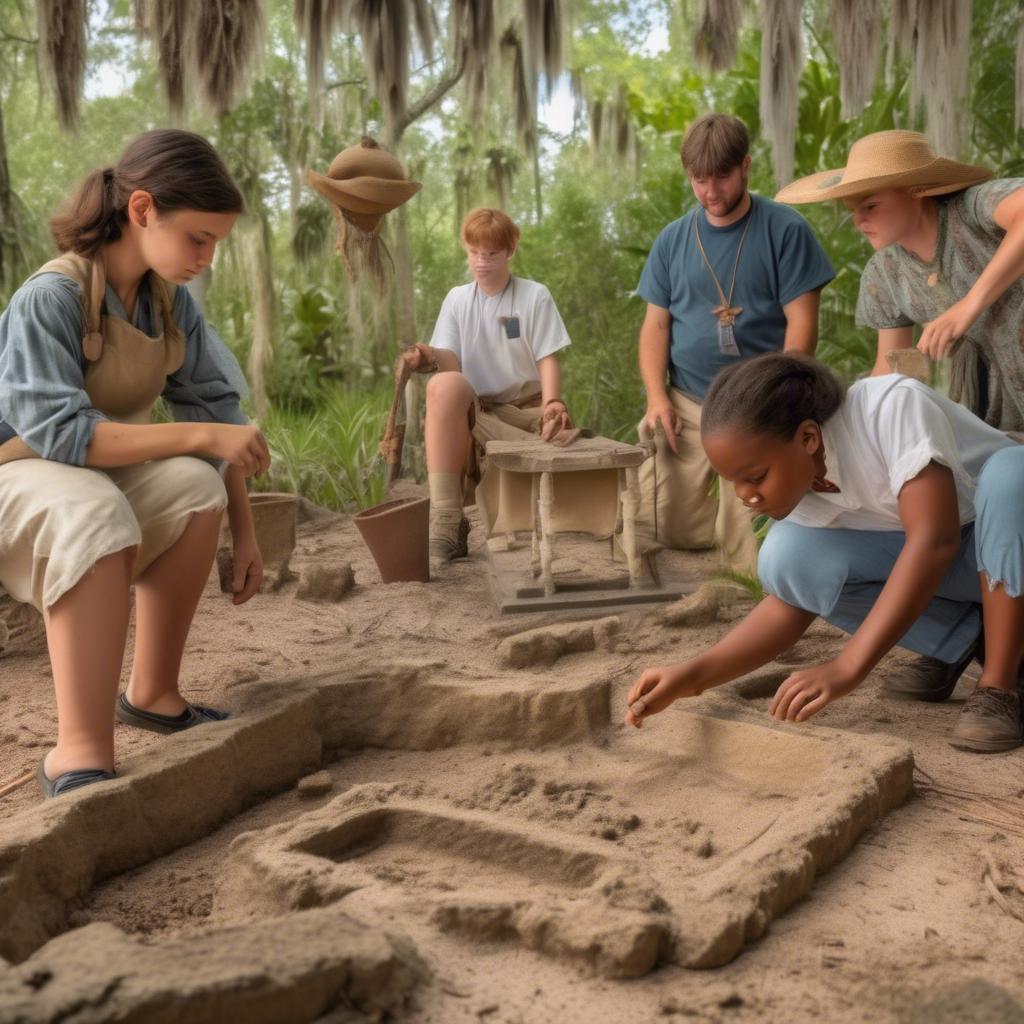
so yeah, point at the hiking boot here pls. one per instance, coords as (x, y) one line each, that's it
(927, 678)
(989, 721)
(449, 536)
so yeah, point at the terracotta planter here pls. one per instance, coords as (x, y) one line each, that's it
(274, 516)
(396, 532)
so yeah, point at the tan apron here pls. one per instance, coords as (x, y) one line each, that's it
(126, 369)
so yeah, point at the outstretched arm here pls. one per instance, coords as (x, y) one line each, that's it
(931, 523)
(1005, 267)
(771, 628)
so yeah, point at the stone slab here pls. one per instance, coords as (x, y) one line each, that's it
(294, 969)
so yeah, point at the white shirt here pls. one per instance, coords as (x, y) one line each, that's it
(884, 434)
(497, 366)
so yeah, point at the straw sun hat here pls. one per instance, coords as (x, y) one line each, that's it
(895, 159)
(363, 183)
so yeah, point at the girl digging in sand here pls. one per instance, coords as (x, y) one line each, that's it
(95, 498)
(902, 522)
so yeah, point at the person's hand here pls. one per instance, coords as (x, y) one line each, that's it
(419, 357)
(806, 692)
(656, 689)
(241, 446)
(248, 571)
(553, 419)
(663, 414)
(939, 336)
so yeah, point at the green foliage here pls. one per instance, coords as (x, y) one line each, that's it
(330, 455)
(747, 580)
(334, 345)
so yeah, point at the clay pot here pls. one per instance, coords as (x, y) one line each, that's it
(396, 532)
(274, 515)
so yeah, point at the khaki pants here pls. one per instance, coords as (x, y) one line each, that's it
(57, 521)
(676, 510)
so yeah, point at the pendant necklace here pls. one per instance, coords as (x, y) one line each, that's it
(725, 311)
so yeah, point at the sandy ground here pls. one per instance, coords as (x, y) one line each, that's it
(888, 934)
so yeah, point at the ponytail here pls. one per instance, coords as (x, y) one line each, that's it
(772, 394)
(180, 170)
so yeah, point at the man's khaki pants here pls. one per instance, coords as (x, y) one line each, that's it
(676, 509)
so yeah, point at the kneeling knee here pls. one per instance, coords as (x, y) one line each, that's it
(1001, 481)
(195, 482)
(450, 387)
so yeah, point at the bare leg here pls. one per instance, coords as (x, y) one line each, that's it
(166, 596)
(449, 397)
(1004, 637)
(85, 632)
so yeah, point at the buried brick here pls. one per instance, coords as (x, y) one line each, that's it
(293, 968)
(544, 646)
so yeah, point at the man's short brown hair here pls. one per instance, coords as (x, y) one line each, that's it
(490, 228)
(714, 144)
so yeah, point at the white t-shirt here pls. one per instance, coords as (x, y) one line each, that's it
(886, 432)
(497, 366)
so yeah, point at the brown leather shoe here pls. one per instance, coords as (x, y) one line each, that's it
(449, 536)
(990, 721)
(927, 678)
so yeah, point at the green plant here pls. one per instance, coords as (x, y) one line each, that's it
(747, 580)
(330, 455)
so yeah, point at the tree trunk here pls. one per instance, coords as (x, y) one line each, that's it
(261, 351)
(8, 229)
(538, 199)
(406, 294)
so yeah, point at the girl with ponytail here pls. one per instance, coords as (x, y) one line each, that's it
(94, 497)
(899, 519)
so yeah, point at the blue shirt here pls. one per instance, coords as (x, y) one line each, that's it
(780, 261)
(42, 367)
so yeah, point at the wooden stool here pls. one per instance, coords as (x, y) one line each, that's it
(538, 458)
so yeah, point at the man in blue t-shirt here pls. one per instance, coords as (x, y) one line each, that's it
(737, 276)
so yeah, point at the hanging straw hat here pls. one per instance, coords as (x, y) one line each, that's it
(895, 159)
(362, 184)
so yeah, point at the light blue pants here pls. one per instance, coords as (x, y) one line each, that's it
(838, 574)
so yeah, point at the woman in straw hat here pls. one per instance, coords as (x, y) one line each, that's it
(94, 497)
(949, 256)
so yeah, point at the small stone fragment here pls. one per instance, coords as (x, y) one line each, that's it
(317, 784)
(546, 645)
(325, 582)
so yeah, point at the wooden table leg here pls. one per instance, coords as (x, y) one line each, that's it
(629, 485)
(547, 501)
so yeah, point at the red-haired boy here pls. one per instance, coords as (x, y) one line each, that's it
(496, 374)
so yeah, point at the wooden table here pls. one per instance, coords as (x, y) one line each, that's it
(544, 460)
